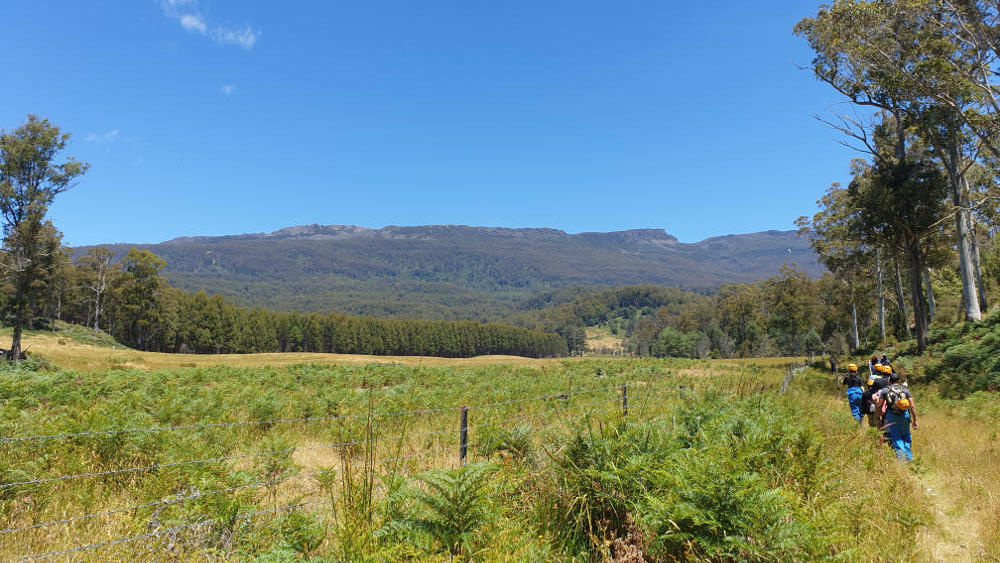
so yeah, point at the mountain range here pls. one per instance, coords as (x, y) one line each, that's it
(453, 271)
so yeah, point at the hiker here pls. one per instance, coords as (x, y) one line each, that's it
(833, 363)
(877, 383)
(868, 403)
(881, 378)
(900, 411)
(854, 391)
(871, 365)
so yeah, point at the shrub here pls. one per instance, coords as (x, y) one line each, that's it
(302, 532)
(450, 505)
(514, 441)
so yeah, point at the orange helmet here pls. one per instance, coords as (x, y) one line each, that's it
(903, 404)
(852, 367)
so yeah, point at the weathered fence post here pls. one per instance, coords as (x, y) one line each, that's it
(624, 399)
(463, 435)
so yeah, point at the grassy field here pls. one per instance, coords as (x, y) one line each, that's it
(80, 348)
(330, 460)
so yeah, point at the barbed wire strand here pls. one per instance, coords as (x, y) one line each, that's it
(263, 483)
(156, 466)
(153, 534)
(273, 421)
(197, 461)
(200, 494)
(120, 541)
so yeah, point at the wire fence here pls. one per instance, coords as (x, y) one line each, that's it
(485, 415)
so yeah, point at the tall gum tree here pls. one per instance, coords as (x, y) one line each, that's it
(903, 56)
(835, 236)
(29, 180)
(901, 203)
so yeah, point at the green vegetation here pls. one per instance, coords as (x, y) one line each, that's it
(705, 467)
(29, 182)
(921, 204)
(142, 311)
(787, 314)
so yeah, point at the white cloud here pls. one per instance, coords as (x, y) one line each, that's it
(109, 137)
(187, 14)
(193, 22)
(175, 4)
(245, 37)
(228, 89)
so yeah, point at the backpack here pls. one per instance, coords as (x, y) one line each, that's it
(895, 393)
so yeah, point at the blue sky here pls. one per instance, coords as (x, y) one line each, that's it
(218, 117)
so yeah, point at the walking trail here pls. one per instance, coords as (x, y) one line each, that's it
(954, 534)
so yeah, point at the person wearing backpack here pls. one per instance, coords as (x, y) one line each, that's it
(867, 404)
(882, 379)
(854, 391)
(878, 409)
(900, 411)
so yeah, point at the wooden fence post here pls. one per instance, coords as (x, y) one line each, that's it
(463, 436)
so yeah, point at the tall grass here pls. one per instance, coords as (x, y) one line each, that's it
(705, 467)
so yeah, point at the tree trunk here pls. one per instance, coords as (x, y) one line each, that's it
(917, 293)
(976, 267)
(15, 345)
(880, 296)
(951, 157)
(931, 307)
(21, 308)
(900, 136)
(969, 294)
(854, 325)
(900, 302)
(97, 312)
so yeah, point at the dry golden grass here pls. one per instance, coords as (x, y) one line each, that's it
(962, 471)
(601, 339)
(775, 362)
(955, 475)
(72, 354)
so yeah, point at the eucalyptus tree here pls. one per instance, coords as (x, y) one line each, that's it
(139, 303)
(29, 181)
(904, 57)
(902, 203)
(99, 275)
(836, 238)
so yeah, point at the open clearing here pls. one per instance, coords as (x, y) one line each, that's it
(601, 340)
(71, 353)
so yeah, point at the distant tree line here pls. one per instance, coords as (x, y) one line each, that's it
(132, 302)
(788, 314)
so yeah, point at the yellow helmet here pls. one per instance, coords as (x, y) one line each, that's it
(880, 368)
(852, 367)
(903, 404)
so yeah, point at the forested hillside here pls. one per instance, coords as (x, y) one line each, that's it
(789, 313)
(131, 301)
(456, 272)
